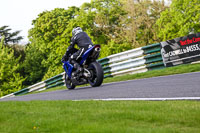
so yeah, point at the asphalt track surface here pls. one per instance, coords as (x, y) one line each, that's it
(173, 87)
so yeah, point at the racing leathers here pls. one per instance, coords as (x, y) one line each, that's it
(72, 54)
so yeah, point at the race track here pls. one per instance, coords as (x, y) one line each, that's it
(180, 86)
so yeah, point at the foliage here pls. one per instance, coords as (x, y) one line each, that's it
(33, 68)
(113, 48)
(11, 40)
(50, 37)
(10, 37)
(139, 24)
(10, 78)
(182, 18)
(107, 19)
(19, 50)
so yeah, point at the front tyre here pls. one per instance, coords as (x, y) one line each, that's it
(96, 71)
(68, 83)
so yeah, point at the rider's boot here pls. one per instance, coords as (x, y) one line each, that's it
(77, 66)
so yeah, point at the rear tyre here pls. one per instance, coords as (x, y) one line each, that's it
(68, 83)
(96, 74)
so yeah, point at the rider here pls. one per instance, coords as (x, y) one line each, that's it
(83, 41)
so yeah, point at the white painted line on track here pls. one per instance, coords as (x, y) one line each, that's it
(149, 99)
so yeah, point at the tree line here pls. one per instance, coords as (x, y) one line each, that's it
(118, 25)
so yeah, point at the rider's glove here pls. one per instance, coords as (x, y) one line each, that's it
(64, 58)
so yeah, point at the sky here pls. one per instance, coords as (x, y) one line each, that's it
(18, 14)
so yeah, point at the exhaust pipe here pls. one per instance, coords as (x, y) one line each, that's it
(97, 49)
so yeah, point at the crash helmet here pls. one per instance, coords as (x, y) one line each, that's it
(76, 30)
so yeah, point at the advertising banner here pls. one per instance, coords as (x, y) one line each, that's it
(181, 50)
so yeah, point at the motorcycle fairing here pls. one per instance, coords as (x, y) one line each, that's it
(68, 68)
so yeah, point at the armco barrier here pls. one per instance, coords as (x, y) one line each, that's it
(133, 61)
(57, 80)
(129, 62)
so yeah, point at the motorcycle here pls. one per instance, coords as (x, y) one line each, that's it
(92, 71)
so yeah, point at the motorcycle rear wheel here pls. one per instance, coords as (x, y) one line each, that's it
(69, 83)
(96, 74)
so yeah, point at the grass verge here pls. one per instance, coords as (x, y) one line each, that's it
(100, 116)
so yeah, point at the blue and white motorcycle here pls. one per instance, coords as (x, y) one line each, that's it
(92, 71)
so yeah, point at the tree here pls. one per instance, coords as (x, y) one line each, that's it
(139, 27)
(10, 78)
(50, 36)
(10, 37)
(102, 22)
(182, 18)
(32, 67)
(107, 19)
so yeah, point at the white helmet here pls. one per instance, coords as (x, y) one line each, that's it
(76, 30)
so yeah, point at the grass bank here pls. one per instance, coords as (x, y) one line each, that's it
(100, 116)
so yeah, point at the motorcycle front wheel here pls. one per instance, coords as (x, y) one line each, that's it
(97, 76)
(69, 83)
